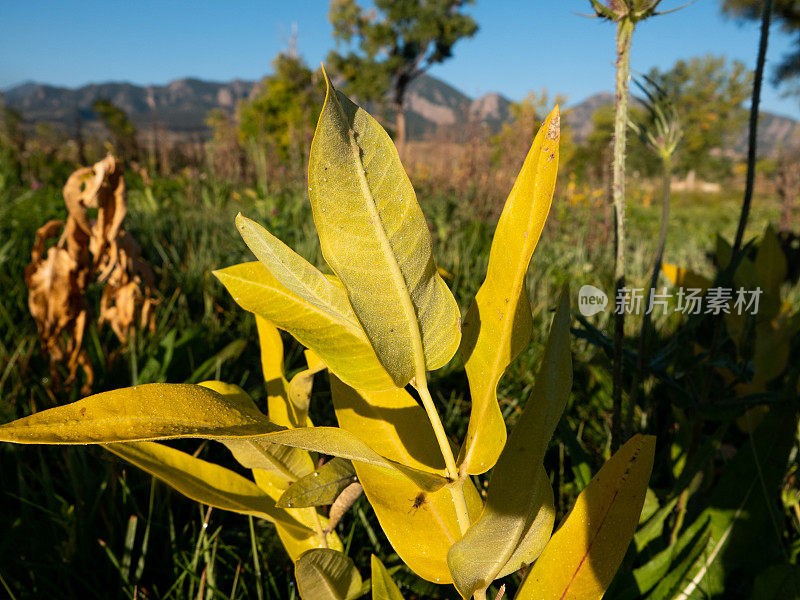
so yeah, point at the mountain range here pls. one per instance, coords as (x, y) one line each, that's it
(434, 108)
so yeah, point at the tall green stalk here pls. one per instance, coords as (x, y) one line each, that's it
(626, 14)
(624, 36)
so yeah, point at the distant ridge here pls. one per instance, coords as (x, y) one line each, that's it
(435, 108)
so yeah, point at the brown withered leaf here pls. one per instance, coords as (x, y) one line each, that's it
(342, 504)
(57, 303)
(88, 249)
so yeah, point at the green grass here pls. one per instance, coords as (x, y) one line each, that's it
(78, 523)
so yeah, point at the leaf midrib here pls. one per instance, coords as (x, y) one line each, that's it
(383, 240)
(351, 326)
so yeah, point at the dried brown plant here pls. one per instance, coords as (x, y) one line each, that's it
(88, 249)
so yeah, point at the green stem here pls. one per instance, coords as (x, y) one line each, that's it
(457, 486)
(625, 28)
(438, 428)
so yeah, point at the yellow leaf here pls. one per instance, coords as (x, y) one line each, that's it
(142, 412)
(326, 574)
(299, 393)
(396, 426)
(286, 463)
(685, 278)
(271, 345)
(374, 236)
(383, 588)
(347, 352)
(773, 346)
(497, 327)
(582, 557)
(519, 514)
(206, 482)
(421, 526)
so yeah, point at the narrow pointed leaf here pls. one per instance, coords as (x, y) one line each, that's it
(296, 274)
(383, 588)
(288, 464)
(346, 351)
(321, 487)
(374, 236)
(582, 557)
(300, 388)
(519, 514)
(139, 413)
(280, 409)
(421, 526)
(326, 574)
(669, 583)
(205, 482)
(498, 327)
(336, 441)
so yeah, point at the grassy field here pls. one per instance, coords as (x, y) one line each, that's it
(78, 523)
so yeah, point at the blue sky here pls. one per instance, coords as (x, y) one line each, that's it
(522, 44)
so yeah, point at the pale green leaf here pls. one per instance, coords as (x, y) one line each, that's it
(374, 236)
(519, 514)
(581, 558)
(421, 526)
(144, 412)
(383, 588)
(321, 487)
(296, 274)
(498, 327)
(326, 574)
(206, 482)
(347, 353)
